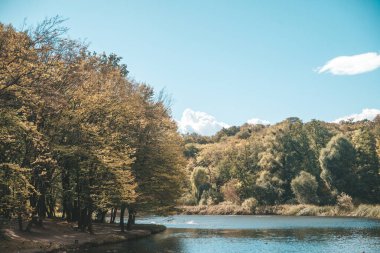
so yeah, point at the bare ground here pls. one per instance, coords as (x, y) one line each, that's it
(59, 236)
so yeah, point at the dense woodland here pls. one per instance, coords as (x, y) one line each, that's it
(290, 162)
(78, 138)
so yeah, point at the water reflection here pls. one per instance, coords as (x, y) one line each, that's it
(276, 234)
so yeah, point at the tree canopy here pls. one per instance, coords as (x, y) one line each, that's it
(291, 161)
(77, 136)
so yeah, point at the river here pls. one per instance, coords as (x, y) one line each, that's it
(250, 233)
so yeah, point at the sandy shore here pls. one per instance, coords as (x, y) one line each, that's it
(60, 236)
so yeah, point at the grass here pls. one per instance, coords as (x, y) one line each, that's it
(371, 211)
(223, 208)
(227, 208)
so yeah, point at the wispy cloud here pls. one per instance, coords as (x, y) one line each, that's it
(368, 114)
(351, 65)
(256, 121)
(199, 122)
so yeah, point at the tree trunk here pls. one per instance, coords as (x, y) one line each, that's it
(130, 218)
(103, 217)
(75, 214)
(50, 207)
(41, 205)
(82, 221)
(89, 222)
(19, 219)
(133, 217)
(122, 211)
(34, 220)
(113, 215)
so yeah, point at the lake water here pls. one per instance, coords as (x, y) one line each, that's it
(264, 234)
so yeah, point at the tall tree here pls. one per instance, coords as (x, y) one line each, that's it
(337, 162)
(366, 166)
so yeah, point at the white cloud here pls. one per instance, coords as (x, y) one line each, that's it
(351, 65)
(199, 122)
(256, 121)
(368, 114)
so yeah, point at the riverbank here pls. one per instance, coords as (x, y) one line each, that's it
(367, 211)
(60, 236)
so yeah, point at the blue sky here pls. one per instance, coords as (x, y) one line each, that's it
(234, 60)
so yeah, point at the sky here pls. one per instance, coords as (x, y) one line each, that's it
(226, 63)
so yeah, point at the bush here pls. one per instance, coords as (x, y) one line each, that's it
(190, 150)
(188, 200)
(268, 188)
(305, 188)
(250, 204)
(230, 191)
(199, 182)
(344, 201)
(210, 197)
(206, 199)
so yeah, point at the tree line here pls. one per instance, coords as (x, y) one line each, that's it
(78, 138)
(289, 162)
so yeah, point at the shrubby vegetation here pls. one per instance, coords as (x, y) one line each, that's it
(228, 208)
(305, 188)
(77, 136)
(291, 162)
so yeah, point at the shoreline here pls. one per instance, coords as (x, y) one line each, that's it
(60, 236)
(361, 211)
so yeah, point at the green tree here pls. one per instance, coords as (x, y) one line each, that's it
(305, 187)
(199, 182)
(337, 162)
(366, 166)
(269, 189)
(287, 152)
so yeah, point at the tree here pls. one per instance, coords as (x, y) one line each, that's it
(268, 189)
(199, 182)
(305, 187)
(287, 152)
(159, 162)
(337, 162)
(366, 166)
(15, 191)
(83, 136)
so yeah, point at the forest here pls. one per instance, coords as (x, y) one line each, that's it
(290, 162)
(79, 138)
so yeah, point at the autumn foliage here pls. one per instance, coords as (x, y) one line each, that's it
(77, 136)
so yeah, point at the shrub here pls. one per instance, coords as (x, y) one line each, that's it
(250, 204)
(230, 191)
(210, 197)
(305, 188)
(344, 201)
(190, 150)
(268, 188)
(205, 199)
(188, 200)
(199, 181)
